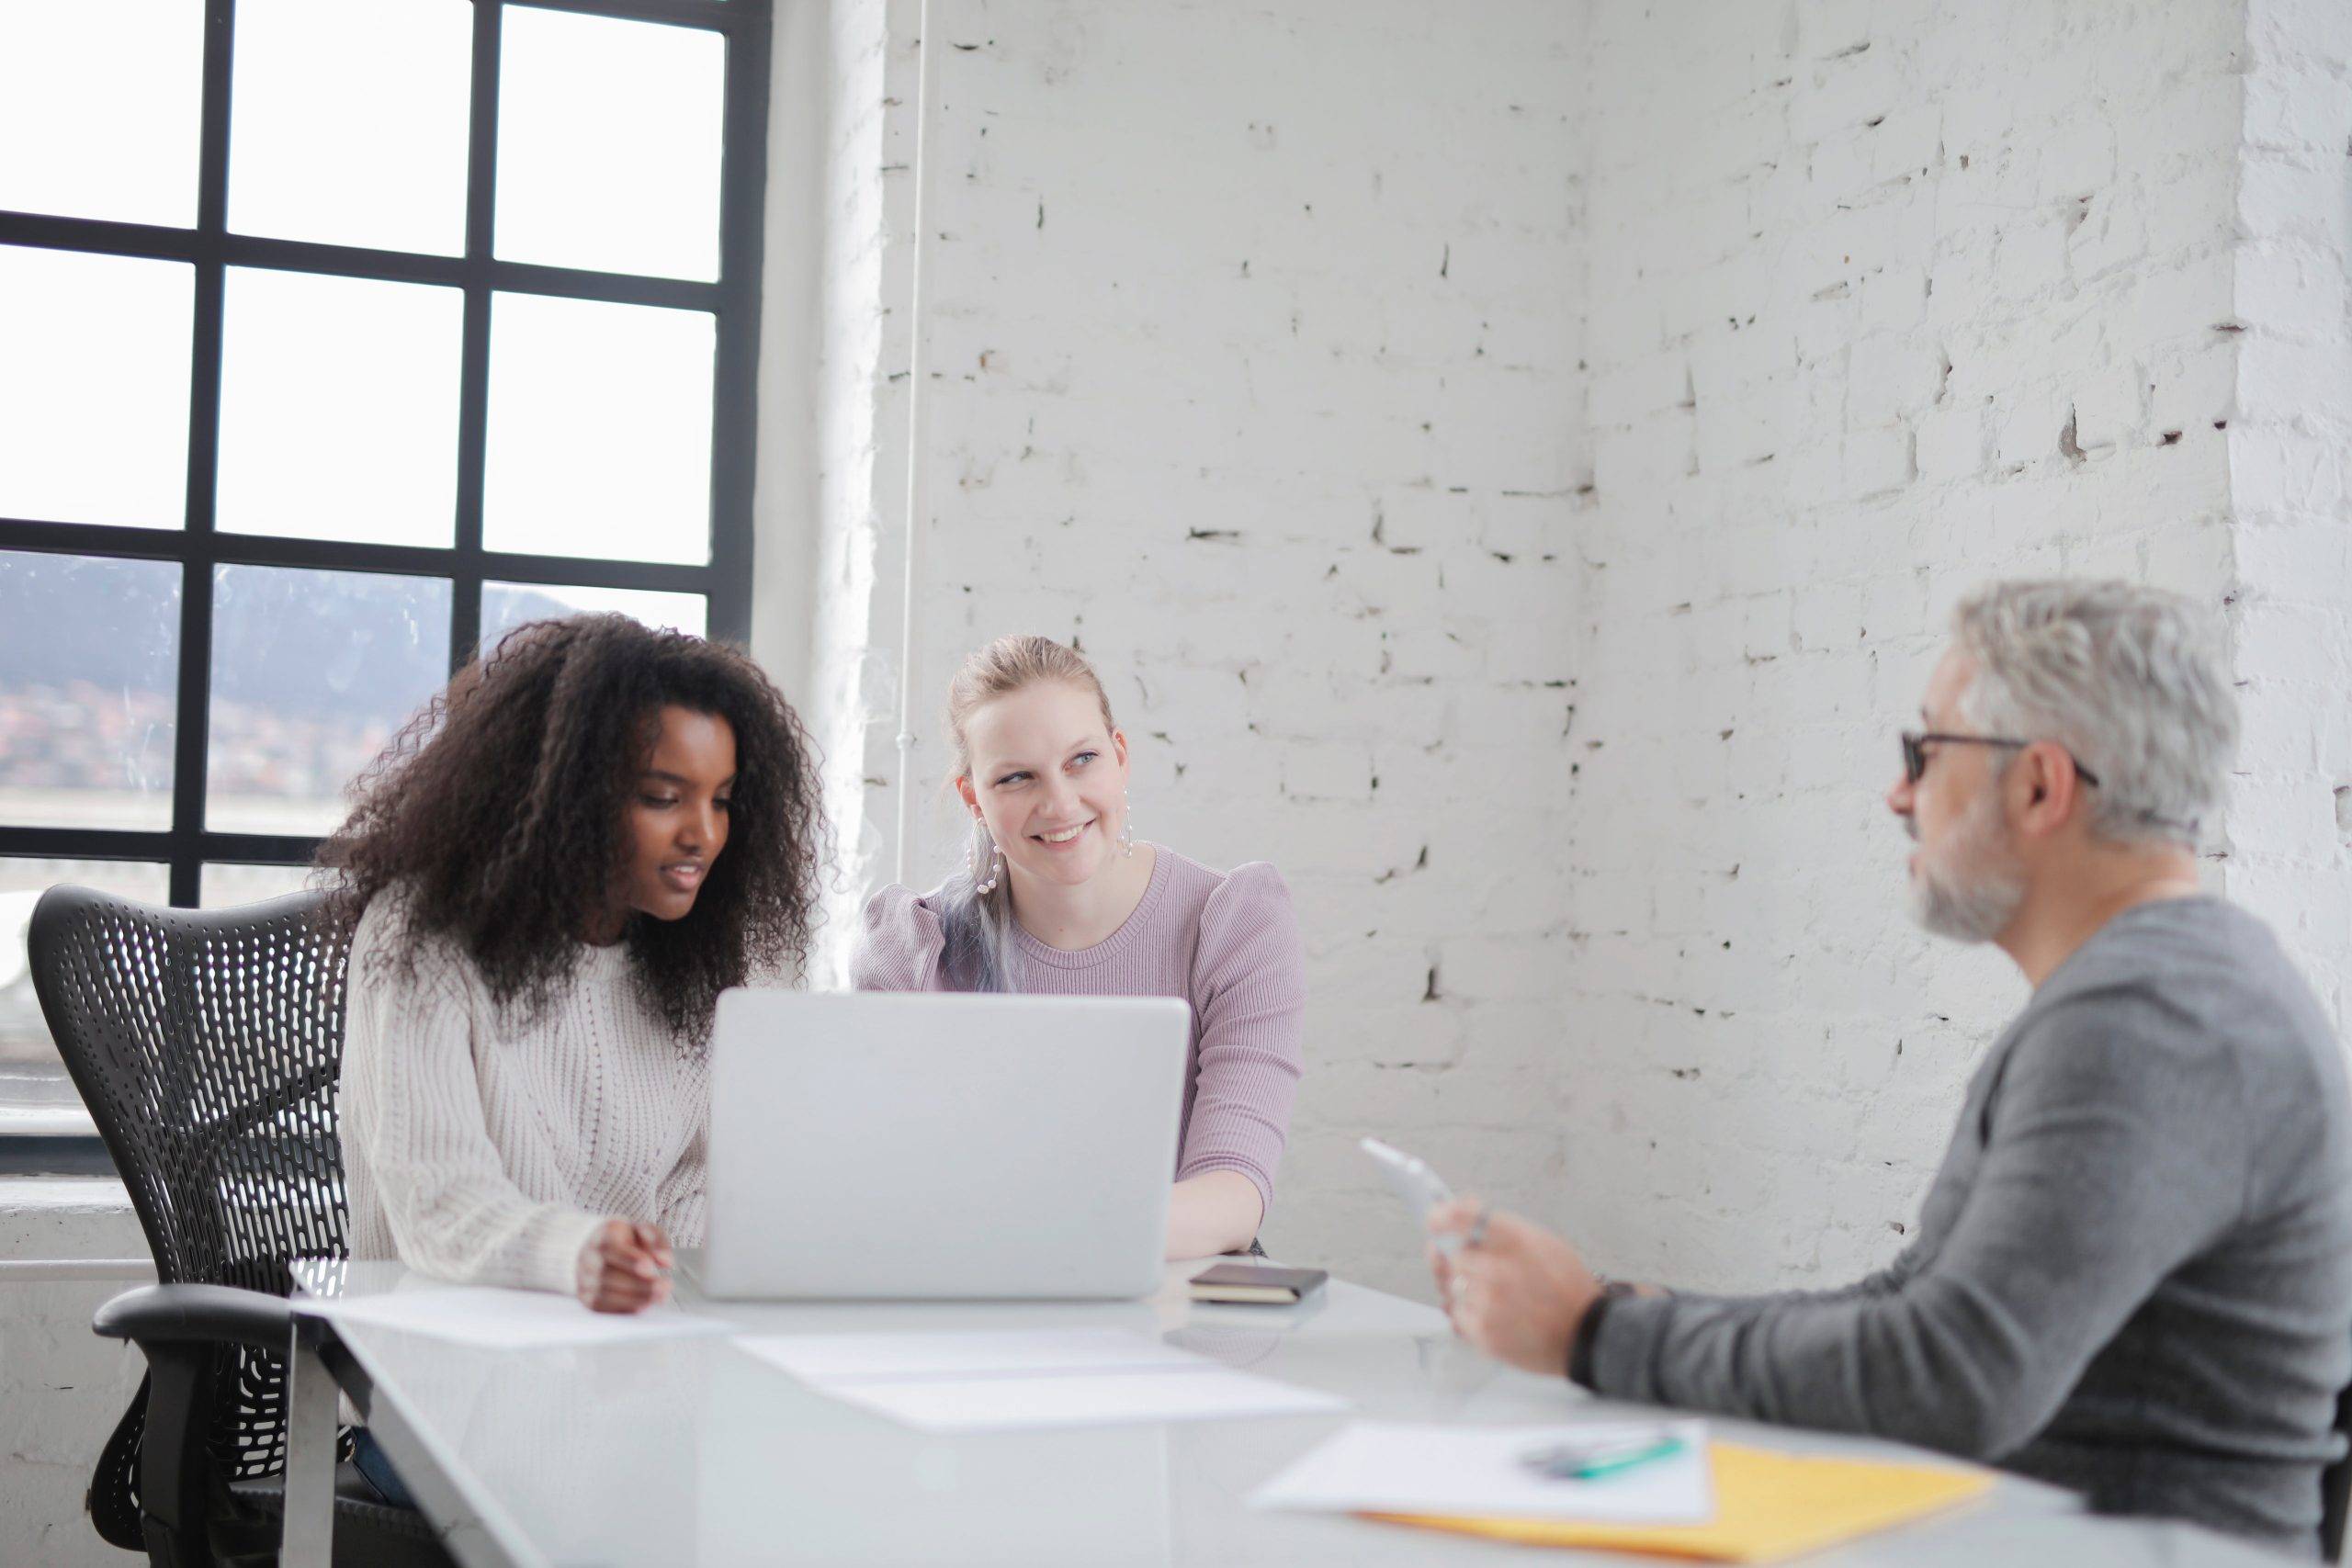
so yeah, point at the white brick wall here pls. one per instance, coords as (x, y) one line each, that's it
(1512, 467)
(2291, 485)
(1884, 303)
(1254, 341)
(827, 560)
(62, 1387)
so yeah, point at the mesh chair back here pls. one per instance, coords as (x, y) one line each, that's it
(207, 1044)
(2335, 1486)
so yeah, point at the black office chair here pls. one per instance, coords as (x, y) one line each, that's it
(2335, 1487)
(207, 1045)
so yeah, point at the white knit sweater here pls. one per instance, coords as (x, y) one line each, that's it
(482, 1149)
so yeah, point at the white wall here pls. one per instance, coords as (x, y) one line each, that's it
(62, 1387)
(1883, 305)
(2291, 485)
(826, 554)
(1253, 346)
(1580, 422)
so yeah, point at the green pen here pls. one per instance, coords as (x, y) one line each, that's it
(1591, 1461)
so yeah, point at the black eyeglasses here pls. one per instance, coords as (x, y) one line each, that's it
(1915, 752)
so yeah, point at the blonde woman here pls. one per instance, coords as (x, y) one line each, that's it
(1058, 897)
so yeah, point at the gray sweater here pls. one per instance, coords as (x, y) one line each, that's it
(2133, 1275)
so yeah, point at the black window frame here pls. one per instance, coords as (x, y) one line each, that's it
(733, 300)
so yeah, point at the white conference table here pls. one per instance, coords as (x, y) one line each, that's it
(692, 1452)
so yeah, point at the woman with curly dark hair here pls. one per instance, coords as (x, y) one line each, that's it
(549, 876)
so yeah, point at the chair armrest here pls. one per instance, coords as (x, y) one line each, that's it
(196, 1314)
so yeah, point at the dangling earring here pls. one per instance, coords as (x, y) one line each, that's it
(1126, 825)
(996, 864)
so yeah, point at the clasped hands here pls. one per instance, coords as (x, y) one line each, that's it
(1512, 1289)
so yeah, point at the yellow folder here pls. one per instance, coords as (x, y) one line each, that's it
(1769, 1506)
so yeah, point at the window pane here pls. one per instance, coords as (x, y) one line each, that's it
(23, 1038)
(94, 376)
(347, 122)
(339, 407)
(506, 606)
(227, 884)
(312, 672)
(89, 659)
(99, 108)
(599, 430)
(608, 143)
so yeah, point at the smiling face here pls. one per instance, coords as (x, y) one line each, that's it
(676, 822)
(1966, 879)
(1049, 777)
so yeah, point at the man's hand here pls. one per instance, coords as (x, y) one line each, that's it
(624, 1267)
(1516, 1291)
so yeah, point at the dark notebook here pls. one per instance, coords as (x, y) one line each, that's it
(1259, 1283)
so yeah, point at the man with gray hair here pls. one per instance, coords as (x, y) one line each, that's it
(2133, 1274)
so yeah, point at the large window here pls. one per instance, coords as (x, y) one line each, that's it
(336, 339)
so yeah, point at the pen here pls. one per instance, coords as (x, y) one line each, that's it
(1660, 1449)
(1580, 1464)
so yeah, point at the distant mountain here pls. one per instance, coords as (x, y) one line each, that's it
(299, 643)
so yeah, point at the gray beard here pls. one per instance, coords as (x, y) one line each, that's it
(1977, 903)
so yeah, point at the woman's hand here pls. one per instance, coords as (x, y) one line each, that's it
(625, 1268)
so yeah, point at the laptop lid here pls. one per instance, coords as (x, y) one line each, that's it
(888, 1144)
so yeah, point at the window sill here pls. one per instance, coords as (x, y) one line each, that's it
(38, 1099)
(83, 1218)
(45, 1129)
(46, 1122)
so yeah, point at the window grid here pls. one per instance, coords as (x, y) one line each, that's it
(733, 300)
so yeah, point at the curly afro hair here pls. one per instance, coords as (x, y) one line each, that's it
(498, 811)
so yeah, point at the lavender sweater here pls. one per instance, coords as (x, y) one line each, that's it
(1227, 943)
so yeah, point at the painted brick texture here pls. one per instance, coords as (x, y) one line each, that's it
(1514, 476)
(1884, 303)
(2291, 485)
(1253, 342)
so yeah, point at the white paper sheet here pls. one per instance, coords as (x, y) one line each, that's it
(1001, 1382)
(504, 1320)
(871, 1357)
(1084, 1399)
(1387, 1467)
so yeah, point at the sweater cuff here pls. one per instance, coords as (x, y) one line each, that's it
(1579, 1368)
(551, 1260)
(1620, 1345)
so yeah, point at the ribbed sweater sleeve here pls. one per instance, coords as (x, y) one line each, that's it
(413, 1113)
(898, 945)
(680, 1203)
(1249, 986)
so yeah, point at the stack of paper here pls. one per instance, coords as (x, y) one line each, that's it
(1770, 1506)
(1385, 1467)
(996, 1382)
(1762, 1505)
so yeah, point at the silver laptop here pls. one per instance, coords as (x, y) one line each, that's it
(873, 1145)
